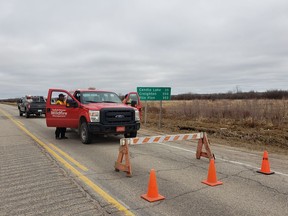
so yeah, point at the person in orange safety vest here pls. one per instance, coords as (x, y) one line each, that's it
(60, 131)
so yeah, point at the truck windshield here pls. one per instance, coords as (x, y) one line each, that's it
(99, 97)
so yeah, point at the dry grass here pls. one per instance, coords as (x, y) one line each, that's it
(9, 103)
(253, 124)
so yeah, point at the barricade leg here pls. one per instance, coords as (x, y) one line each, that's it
(125, 165)
(204, 141)
(199, 148)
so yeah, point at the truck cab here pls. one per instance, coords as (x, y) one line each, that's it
(92, 111)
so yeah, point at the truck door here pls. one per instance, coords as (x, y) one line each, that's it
(134, 100)
(64, 114)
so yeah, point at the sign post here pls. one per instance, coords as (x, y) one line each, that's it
(154, 94)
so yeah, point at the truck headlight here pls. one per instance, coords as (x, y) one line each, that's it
(137, 115)
(94, 116)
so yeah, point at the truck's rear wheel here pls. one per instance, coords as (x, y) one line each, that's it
(131, 134)
(86, 137)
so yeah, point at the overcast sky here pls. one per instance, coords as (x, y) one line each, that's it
(198, 46)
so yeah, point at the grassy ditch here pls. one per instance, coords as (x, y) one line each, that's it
(252, 124)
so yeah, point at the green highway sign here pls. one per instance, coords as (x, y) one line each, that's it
(154, 93)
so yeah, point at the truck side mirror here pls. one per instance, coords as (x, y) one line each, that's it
(71, 103)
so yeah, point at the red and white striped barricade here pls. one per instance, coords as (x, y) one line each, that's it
(123, 160)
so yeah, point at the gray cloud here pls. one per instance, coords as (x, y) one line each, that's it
(191, 46)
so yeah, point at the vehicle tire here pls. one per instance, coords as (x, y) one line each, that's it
(131, 134)
(85, 136)
(20, 113)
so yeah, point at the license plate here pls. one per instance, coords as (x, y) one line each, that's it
(39, 110)
(120, 129)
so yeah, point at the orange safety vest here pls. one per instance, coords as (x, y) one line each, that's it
(59, 102)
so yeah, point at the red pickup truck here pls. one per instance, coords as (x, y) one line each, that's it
(93, 111)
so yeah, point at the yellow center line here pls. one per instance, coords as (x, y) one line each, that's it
(82, 167)
(86, 180)
(20, 123)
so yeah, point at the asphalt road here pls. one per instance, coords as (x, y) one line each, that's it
(32, 182)
(179, 175)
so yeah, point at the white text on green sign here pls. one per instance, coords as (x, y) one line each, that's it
(154, 93)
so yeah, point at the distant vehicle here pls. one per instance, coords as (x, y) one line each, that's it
(92, 111)
(32, 105)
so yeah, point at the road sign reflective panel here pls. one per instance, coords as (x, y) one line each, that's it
(154, 93)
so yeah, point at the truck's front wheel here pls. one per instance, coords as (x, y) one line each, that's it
(86, 137)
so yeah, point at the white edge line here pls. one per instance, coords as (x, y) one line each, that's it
(230, 161)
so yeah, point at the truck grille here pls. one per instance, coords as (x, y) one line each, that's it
(117, 116)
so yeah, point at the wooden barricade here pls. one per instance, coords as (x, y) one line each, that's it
(123, 154)
(123, 160)
(204, 141)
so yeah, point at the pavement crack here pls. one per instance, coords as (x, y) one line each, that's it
(188, 192)
(256, 181)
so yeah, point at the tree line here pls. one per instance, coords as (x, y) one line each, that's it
(270, 94)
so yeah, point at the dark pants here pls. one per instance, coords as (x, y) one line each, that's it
(60, 131)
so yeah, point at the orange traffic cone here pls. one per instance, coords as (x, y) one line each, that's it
(265, 168)
(212, 178)
(152, 194)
